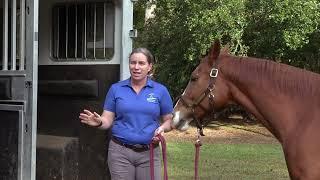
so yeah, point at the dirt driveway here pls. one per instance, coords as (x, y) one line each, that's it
(221, 132)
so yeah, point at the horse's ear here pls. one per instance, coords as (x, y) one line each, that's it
(226, 49)
(214, 52)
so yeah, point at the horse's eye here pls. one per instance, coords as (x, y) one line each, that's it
(193, 78)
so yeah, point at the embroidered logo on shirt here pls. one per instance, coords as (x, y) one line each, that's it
(151, 98)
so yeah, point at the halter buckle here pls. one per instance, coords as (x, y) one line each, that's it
(200, 131)
(214, 72)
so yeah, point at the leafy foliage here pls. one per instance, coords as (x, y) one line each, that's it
(281, 30)
(182, 30)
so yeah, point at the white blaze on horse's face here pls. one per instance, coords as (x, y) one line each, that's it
(180, 121)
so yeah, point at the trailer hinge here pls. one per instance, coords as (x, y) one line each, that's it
(133, 33)
(28, 84)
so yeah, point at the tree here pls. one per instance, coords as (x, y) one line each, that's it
(284, 30)
(183, 30)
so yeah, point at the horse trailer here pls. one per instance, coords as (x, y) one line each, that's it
(58, 57)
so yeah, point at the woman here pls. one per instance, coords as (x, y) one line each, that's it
(133, 109)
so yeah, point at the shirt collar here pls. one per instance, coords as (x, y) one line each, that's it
(149, 83)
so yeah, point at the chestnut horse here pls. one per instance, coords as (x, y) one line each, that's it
(285, 99)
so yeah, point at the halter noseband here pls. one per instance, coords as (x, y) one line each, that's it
(207, 93)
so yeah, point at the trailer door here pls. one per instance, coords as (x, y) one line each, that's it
(18, 88)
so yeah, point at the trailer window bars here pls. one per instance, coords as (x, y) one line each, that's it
(83, 31)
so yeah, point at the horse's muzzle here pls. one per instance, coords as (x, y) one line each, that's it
(180, 123)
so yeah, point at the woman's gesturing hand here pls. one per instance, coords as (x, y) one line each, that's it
(91, 119)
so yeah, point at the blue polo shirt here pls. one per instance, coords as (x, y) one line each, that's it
(137, 116)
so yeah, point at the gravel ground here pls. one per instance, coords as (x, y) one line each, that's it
(221, 132)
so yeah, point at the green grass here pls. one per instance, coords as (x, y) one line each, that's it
(227, 161)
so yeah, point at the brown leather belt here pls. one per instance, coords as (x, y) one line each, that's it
(134, 147)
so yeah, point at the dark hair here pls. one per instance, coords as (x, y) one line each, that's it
(144, 51)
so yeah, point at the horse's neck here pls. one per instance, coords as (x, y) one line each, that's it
(251, 89)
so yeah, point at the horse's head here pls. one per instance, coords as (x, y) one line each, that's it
(206, 91)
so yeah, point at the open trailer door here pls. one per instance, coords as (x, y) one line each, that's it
(18, 88)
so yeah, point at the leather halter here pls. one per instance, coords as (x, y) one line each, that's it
(197, 102)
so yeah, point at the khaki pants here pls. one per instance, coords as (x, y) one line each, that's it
(126, 164)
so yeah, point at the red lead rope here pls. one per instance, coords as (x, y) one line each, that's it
(164, 157)
(196, 159)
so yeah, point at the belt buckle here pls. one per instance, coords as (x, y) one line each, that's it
(140, 147)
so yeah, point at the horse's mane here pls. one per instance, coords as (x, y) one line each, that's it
(273, 76)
